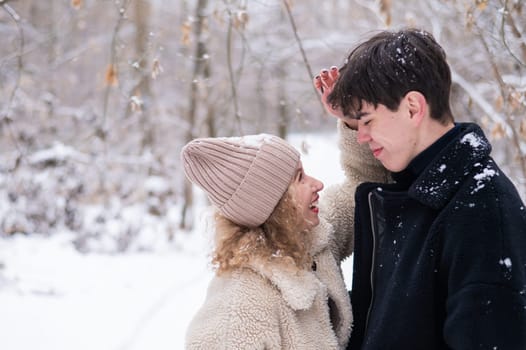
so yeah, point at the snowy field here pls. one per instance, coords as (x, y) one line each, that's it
(53, 297)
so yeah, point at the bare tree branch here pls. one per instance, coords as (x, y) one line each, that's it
(480, 101)
(506, 15)
(305, 60)
(504, 94)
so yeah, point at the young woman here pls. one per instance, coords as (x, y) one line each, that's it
(277, 284)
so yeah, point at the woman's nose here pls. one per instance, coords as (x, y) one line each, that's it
(318, 185)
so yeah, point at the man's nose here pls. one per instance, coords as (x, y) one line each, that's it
(363, 135)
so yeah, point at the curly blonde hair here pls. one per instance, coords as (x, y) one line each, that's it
(278, 239)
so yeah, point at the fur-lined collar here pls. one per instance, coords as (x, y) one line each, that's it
(298, 287)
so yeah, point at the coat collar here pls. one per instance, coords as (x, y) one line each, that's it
(443, 177)
(297, 287)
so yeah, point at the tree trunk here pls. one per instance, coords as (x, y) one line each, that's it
(200, 65)
(282, 103)
(143, 89)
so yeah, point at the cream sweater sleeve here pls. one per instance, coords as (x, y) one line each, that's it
(337, 203)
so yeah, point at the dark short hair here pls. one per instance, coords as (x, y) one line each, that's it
(383, 69)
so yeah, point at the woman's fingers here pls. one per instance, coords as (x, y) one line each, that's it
(326, 78)
(318, 84)
(324, 83)
(334, 72)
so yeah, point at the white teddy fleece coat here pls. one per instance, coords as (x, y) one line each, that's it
(272, 307)
(269, 307)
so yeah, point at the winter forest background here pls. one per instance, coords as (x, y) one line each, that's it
(97, 97)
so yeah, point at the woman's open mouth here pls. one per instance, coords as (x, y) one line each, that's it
(314, 206)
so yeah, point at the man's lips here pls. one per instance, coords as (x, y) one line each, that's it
(377, 151)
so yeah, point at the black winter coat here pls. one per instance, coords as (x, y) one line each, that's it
(442, 264)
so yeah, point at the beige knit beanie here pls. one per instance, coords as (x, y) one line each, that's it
(244, 177)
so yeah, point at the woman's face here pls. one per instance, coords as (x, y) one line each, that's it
(304, 189)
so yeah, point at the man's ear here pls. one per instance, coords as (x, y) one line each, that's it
(417, 105)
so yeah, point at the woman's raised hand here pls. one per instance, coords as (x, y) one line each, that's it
(324, 83)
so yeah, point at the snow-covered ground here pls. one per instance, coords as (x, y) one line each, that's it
(53, 297)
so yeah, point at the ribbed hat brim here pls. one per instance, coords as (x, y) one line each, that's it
(244, 180)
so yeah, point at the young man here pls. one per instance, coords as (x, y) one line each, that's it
(440, 254)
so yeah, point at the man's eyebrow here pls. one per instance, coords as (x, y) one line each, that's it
(359, 115)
